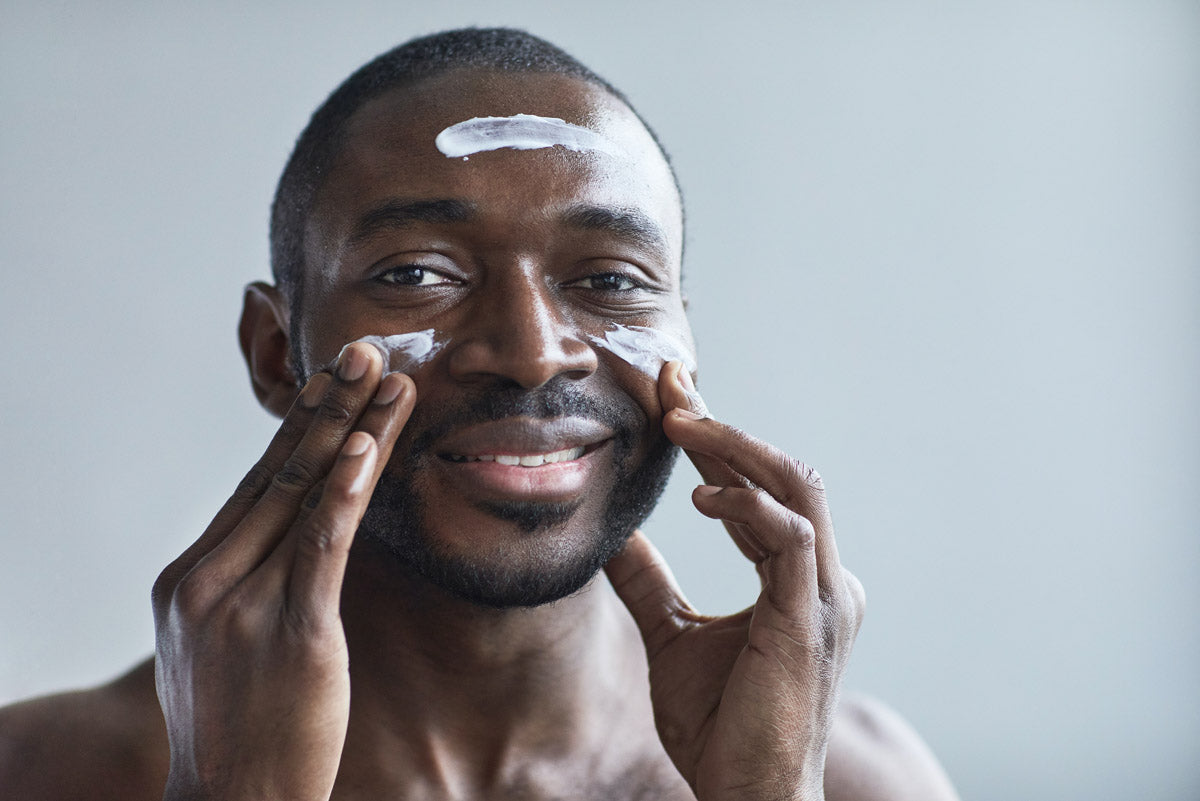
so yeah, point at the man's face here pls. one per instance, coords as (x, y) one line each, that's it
(516, 259)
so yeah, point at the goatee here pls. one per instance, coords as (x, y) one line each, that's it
(544, 565)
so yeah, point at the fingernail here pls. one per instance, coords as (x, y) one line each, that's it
(688, 414)
(705, 490)
(685, 378)
(352, 363)
(389, 389)
(357, 444)
(314, 390)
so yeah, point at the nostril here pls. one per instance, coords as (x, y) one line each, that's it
(522, 360)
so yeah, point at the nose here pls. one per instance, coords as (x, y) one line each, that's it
(518, 331)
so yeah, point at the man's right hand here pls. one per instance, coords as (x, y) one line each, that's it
(251, 661)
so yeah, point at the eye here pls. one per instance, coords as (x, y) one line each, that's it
(413, 275)
(608, 282)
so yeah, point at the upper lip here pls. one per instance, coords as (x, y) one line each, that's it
(522, 436)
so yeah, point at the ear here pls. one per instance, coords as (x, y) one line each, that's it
(264, 335)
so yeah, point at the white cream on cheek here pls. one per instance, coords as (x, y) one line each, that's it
(646, 349)
(519, 132)
(405, 352)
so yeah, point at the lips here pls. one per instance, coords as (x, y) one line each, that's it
(522, 458)
(521, 436)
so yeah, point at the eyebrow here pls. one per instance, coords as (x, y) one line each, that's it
(626, 223)
(396, 214)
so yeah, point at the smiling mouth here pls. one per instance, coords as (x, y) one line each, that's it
(525, 460)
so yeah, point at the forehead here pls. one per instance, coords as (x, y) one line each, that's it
(388, 154)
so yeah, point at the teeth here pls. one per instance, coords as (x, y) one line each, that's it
(536, 460)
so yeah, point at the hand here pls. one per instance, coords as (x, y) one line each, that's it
(744, 703)
(251, 662)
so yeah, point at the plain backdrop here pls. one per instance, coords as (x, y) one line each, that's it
(946, 252)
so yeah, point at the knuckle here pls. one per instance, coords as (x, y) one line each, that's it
(298, 474)
(164, 587)
(335, 410)
(321, 536)
(811, 477)
(191, 595)
(793, 475)
(253, 484)
(806, 534)
(858, 596)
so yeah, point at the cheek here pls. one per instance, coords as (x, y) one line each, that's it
(636, 384)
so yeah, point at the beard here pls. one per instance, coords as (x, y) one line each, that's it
(544, 565)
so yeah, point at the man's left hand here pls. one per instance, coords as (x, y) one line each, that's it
(744, 703)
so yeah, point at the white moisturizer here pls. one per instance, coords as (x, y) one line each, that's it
(647, 349)
(519, 132)
(405, 352)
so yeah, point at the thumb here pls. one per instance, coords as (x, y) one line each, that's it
(644, 583)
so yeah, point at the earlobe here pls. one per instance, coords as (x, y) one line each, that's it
(264, 336)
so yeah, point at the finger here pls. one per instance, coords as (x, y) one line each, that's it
(384, 420)
(323, 541)
(858, 598)
(786, 543)
(677, 390)
(347, 405)
(645, 584)
(251, 487)
(794, 484)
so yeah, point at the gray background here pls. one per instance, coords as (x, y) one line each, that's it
(945, 252)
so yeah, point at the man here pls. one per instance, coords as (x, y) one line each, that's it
(495, 223)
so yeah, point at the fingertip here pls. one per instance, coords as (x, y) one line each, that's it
(357, 444)
(357, 360)
(310, 397)
(683, 413)
(670, 392)
(392, 388)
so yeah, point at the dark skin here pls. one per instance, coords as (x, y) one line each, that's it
(277, 612)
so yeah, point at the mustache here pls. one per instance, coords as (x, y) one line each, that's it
(559, 397)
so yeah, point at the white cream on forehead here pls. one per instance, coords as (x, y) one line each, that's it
(647, 349)
(404, 352)
(520, 132)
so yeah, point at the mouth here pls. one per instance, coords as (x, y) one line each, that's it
(524, 459)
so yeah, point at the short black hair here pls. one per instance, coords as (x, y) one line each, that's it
(498, 49)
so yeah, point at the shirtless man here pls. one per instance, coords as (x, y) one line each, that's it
(388, 606)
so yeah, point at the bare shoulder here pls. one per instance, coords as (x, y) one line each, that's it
(875, 755)
(107, 742)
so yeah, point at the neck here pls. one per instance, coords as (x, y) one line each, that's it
(466, 694)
